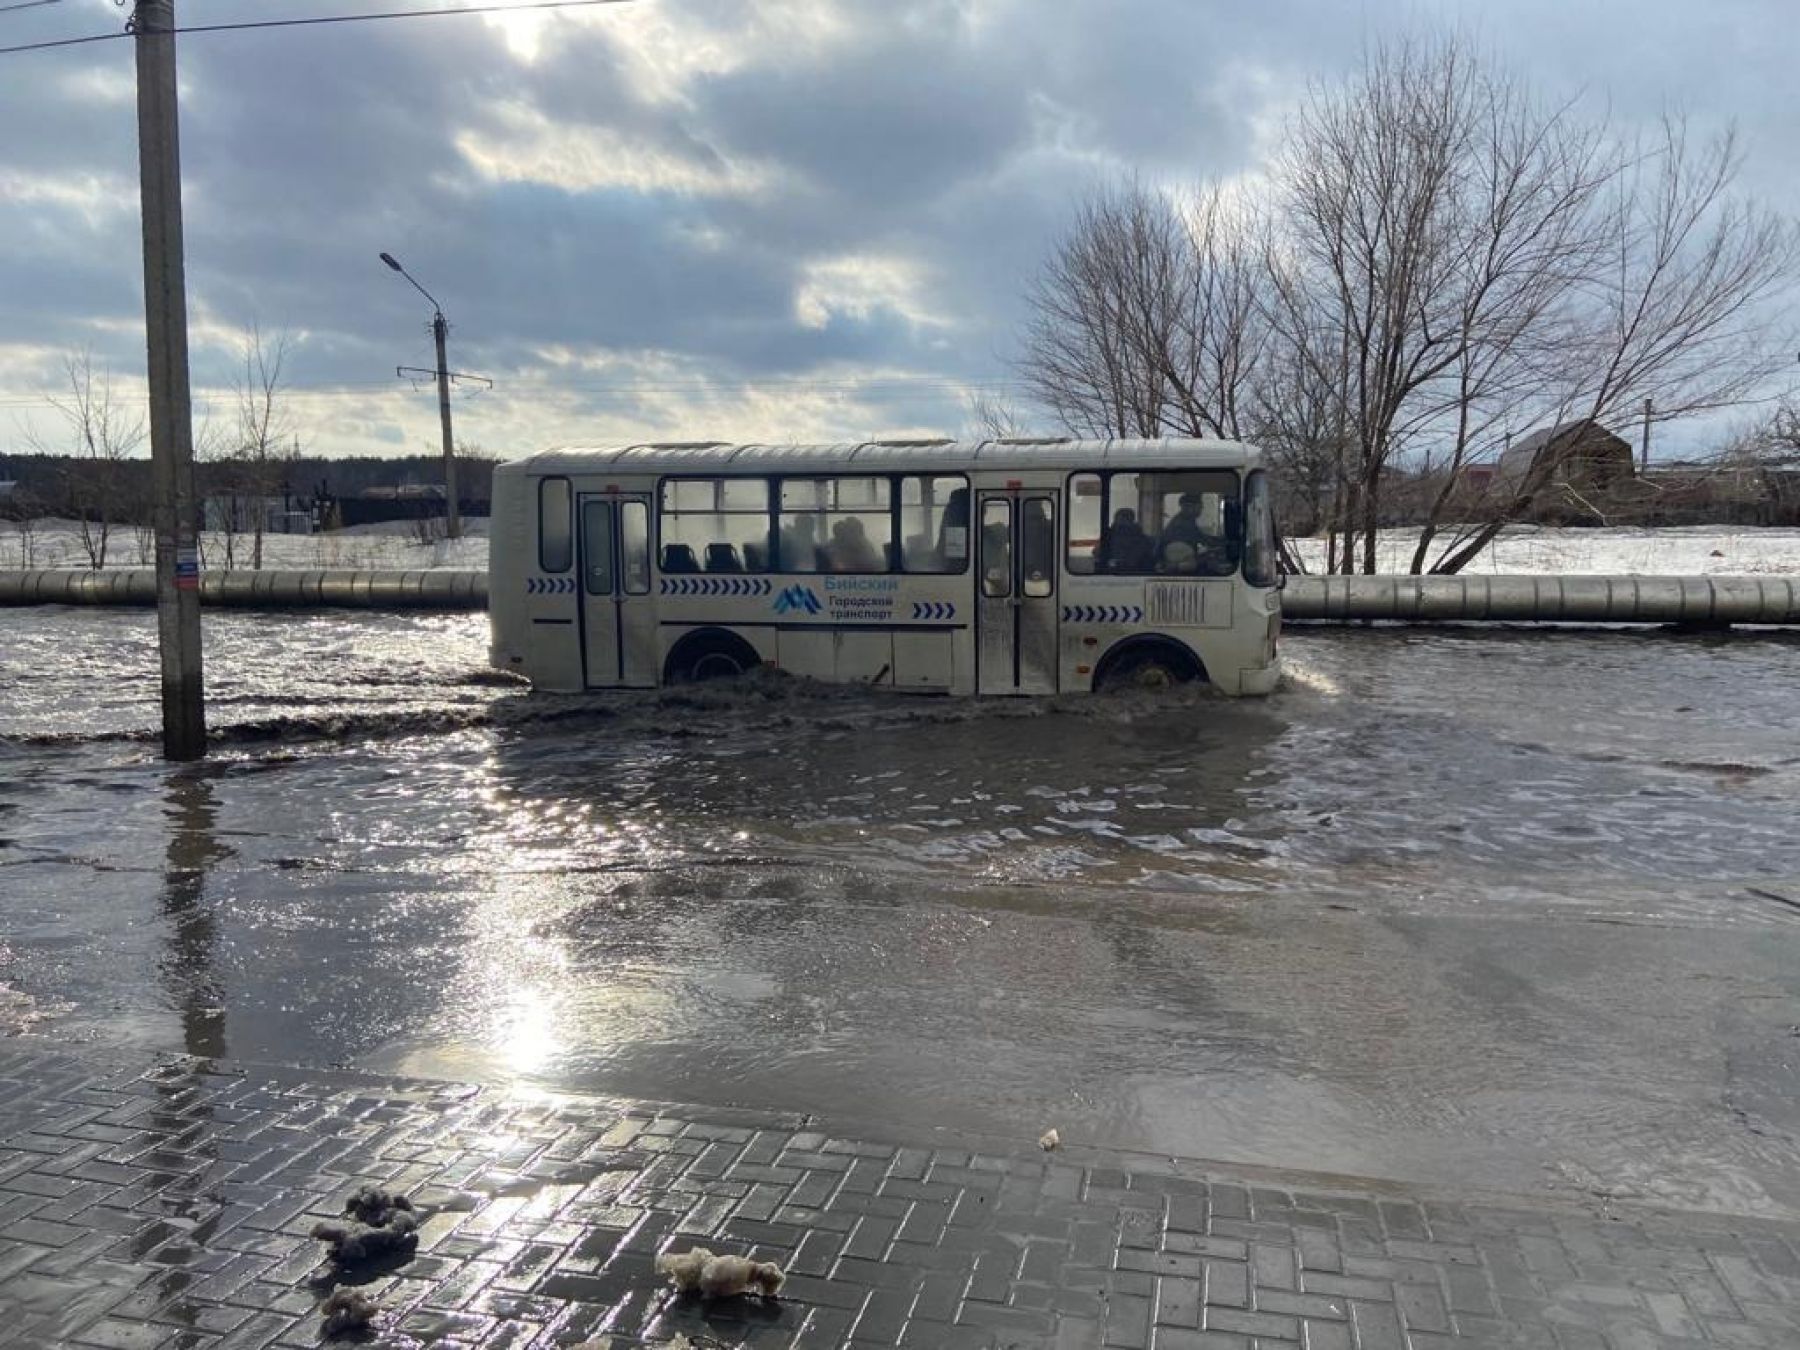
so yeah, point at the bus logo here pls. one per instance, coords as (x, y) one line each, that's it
(798, 598)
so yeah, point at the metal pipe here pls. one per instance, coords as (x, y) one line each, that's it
(1704, 601)
(1712, 601)
(440, 590)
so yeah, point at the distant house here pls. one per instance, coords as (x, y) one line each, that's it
(238, 513)
(1477, 478)
(1581, 455)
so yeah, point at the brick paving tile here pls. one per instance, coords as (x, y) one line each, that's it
(164, 1202)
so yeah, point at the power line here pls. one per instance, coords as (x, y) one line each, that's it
(27, 4)
(312, 21)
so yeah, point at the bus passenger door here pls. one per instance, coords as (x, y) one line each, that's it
(618, 617)
(1016, 592)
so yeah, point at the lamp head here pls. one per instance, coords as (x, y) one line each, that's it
(388, 258)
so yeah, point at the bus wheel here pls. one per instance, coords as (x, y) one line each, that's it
(1157, 665)
(709, 656)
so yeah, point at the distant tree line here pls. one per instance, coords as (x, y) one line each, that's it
(250, 473)
(74, 488)
(112, 500)
(1436, 261)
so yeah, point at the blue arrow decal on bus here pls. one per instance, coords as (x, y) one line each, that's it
(933, 609)
(549, 585)
(715, 586)
(1103, 613)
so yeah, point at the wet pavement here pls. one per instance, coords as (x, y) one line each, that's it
(1451, 909)
(169, 1204)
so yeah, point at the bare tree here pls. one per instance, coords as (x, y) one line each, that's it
(104, 432)
(218, 479)
(1301, 423)
(1781, 439)
(1442, 258)
(263, 429)
(1224, 340)
(1431, 215)
(1085, 355)
(1148, 318)
(24, 510)
(1678, 308)
(994, 417)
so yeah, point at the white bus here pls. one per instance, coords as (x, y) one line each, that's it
(1004, 567)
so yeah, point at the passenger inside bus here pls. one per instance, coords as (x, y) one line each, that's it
(1123, 546)
(850, 549)
(1186, 546)
(800, 544)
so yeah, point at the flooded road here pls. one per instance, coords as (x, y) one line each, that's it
(1518, 911)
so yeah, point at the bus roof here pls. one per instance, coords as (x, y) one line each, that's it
(888, 457)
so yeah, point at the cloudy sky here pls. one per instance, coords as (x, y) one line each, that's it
(698, 219)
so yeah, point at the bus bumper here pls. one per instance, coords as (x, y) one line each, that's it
(1259, 680)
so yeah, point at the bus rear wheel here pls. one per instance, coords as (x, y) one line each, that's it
(1158, 665)
(709, 656)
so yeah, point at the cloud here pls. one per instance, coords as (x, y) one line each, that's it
(523, 144)
(701, 217)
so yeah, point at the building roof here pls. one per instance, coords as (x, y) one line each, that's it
(1516, 460)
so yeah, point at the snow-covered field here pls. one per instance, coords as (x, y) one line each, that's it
(1688, 551)
(57, 543)
(1693, 551)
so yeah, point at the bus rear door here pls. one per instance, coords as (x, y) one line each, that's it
(1016, 592)
(618, 616)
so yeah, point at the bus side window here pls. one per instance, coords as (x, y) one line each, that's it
(597, 547)
(1037, 550)
(934, 523)
(996, 549)
(714, 524)
(836, 525)
(634, 546)
(1088, 542)
(556, 525)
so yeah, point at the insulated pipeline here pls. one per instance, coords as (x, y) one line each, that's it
(1706, 601)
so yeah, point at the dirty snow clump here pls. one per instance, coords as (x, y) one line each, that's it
(720, 1276)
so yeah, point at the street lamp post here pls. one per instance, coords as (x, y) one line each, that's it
(439, 327)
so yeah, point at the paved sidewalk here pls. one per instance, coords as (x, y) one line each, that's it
(166, 1203)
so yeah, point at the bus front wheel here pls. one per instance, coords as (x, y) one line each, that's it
(1149, 665)
(709, 656)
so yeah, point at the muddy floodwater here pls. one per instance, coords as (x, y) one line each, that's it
(1503, 910)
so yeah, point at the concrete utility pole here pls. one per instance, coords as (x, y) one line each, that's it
(171, 414)
(1648, 405)
(452, 516)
